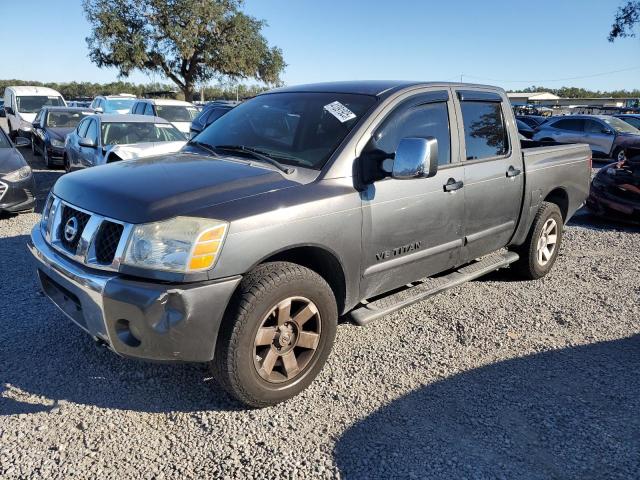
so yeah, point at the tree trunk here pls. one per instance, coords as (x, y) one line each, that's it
(188, 92)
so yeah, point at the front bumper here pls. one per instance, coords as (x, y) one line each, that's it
(55, 153)
(610, 207)
(17, 196)
(138, 319)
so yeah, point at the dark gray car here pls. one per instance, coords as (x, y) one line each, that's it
(297, 206)
(606, 135)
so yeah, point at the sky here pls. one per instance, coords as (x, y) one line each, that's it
(512, 44)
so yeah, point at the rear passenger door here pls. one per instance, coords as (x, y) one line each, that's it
(412, 228)
(492, 171)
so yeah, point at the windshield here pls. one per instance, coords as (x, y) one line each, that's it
(123, 133)
(33, 104)
(4, 141)
(177, 113)
(294, 128)
(621, 126)
(635, 121)
(69, 119)
(112, 104)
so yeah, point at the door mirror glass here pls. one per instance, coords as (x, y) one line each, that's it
(22, 142)
(87, 142)
(414, 158)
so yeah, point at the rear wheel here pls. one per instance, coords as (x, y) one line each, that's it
(540, 250)
(619, 155)
(47, 159)
(276, 335)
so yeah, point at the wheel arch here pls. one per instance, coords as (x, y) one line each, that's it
(560, 197)
(322, 261)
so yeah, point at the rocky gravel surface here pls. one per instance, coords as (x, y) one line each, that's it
(494, 379)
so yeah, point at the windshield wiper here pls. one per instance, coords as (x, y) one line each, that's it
(204, 146)
(257, 154)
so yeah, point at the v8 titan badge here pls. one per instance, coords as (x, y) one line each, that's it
(338, 110)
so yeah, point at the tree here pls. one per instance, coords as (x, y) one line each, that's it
(187, 41)
(627, 17)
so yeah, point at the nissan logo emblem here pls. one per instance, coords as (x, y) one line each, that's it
(71, 229)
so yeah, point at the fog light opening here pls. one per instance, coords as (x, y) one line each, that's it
(126, 336)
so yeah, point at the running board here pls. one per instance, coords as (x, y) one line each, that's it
(430, 286)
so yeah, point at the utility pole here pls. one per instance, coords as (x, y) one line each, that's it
(461, 77)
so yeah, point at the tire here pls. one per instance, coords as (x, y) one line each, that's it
(67, 165)
(11, 133)
(619, 155)
(47, 160)
(534, 263)
(34, 151)
(248, 339)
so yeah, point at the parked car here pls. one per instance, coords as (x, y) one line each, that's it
(2, 112)
(79, 103)
(102, 139)
(615, 191)
(17, 186)
(209, 114)
(297, 206)
(607, 136)
(22, 104)
(534, 121)
(525, 130)
(631, 118)
(179, 113)
(50, 128)
(120, 103)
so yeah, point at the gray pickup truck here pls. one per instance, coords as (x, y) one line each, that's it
(297, 207)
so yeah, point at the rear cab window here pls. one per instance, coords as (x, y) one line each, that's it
(485, 130)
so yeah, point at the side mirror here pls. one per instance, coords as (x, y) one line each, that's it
(9, 110)
(414, 158)
(98, 110)
(606, 131)
(22, 142)
(36, 125)
(87, 142)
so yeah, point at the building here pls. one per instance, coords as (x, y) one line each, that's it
(548, 99)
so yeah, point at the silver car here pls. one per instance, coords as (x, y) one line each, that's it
(606, 135)
(101, 139)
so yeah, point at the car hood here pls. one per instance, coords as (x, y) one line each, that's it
(59, 133)
(10, 160)
(146, 149)
(157, 188)
(27, 117)
(182, 126)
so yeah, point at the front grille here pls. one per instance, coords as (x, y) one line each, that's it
(82, 219)
(107, 241)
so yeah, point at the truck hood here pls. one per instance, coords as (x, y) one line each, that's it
(157, 188)
(145, 149)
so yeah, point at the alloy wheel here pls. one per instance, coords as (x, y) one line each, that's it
(287, 340)
(547, 242)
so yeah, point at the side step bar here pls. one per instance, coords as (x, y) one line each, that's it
(430, 286)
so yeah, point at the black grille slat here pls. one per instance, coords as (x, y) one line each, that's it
(107, 241)
(83, 219)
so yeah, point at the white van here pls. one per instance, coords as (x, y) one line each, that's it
(22, 104)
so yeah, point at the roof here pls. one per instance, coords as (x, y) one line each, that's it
(31, 90)
(68, 109)
(129, 118)
(166, 101)
(367, 87)
(533, 95)
(119, 95)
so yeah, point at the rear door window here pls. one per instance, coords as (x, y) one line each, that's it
(485, 132)
(571, 124)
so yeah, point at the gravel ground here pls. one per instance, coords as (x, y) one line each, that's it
(494, 379)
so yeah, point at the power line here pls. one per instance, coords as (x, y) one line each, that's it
(555, 79)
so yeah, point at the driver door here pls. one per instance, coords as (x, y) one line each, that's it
(89, 156)
(413, 228)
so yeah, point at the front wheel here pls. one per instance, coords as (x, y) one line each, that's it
(276, 335)
(539, 251)
(619, 155)
(67, 165)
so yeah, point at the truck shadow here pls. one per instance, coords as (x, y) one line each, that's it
(569, 413)
(45, 359)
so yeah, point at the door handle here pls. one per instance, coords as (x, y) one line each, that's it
(513, 172)
(453, 185)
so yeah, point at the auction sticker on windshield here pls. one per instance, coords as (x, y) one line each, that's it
(339, 111)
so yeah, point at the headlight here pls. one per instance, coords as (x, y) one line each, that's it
(17, 175)
(182, 244)
(56, 143)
